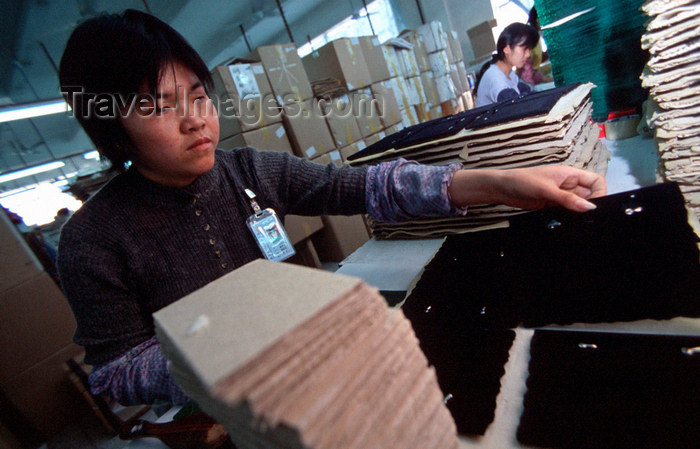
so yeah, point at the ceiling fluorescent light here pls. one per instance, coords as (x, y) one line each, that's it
(31, 171)
(34, 109)
(92, 155)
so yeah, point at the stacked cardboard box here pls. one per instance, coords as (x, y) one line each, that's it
(286, 113)
(341, 59)
(447, 83)
(308, 129)
(36, 334)
(244, 99)
(482, 42)
(404, 87)
(375, 58)
(385, 86)
(426, 79)
(673, 78)
(340, 237)
(250, 95)
(268, 138)
(342, 73)
(304, 125)
(288, 79)
(313, 360)
(459, 72)
(340, 116)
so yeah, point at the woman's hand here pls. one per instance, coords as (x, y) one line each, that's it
(528, 188)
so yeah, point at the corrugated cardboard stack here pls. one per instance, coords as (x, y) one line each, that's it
(286, 356)
(673, 79)
(542, 128)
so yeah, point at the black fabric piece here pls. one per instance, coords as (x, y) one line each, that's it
(469, 364)
(508, 94)
(604, 390)
(524, 87)
(528, 105)
(634, 257)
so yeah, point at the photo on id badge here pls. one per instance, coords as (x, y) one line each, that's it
(273, 233)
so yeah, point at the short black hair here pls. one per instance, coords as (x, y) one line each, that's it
(112, 55)
(533, 19)
(516, 34)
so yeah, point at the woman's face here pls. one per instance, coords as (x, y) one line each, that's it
(175, 133)
(516, 55)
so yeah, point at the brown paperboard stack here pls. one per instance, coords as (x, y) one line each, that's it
(328, 88)
(550, 137)
(673, 79)
(564, 135)
(286, 356)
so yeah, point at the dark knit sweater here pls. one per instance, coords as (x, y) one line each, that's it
(137, 246)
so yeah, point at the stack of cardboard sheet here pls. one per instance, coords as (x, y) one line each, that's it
(548, 127)
(328, 88)
(288, 357)
(673, 79)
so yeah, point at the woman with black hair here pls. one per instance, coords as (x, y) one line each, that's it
(497, 79)
(174, 218)
(530, 72)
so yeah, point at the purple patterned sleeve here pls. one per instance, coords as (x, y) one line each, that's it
(401, 190)
(138, 377)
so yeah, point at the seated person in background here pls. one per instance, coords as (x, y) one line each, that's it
(175, 219)
(530, 71)
(529, 74)
(497, 81)
(51, 231)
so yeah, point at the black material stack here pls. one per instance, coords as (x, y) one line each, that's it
(635, 257)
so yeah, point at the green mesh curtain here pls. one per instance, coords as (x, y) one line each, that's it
(601, 46)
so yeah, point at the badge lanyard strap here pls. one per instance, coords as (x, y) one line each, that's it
(253, 202)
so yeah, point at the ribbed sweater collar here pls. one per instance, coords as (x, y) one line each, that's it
(152, 191)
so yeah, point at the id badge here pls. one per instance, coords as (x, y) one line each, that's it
(270, 235)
